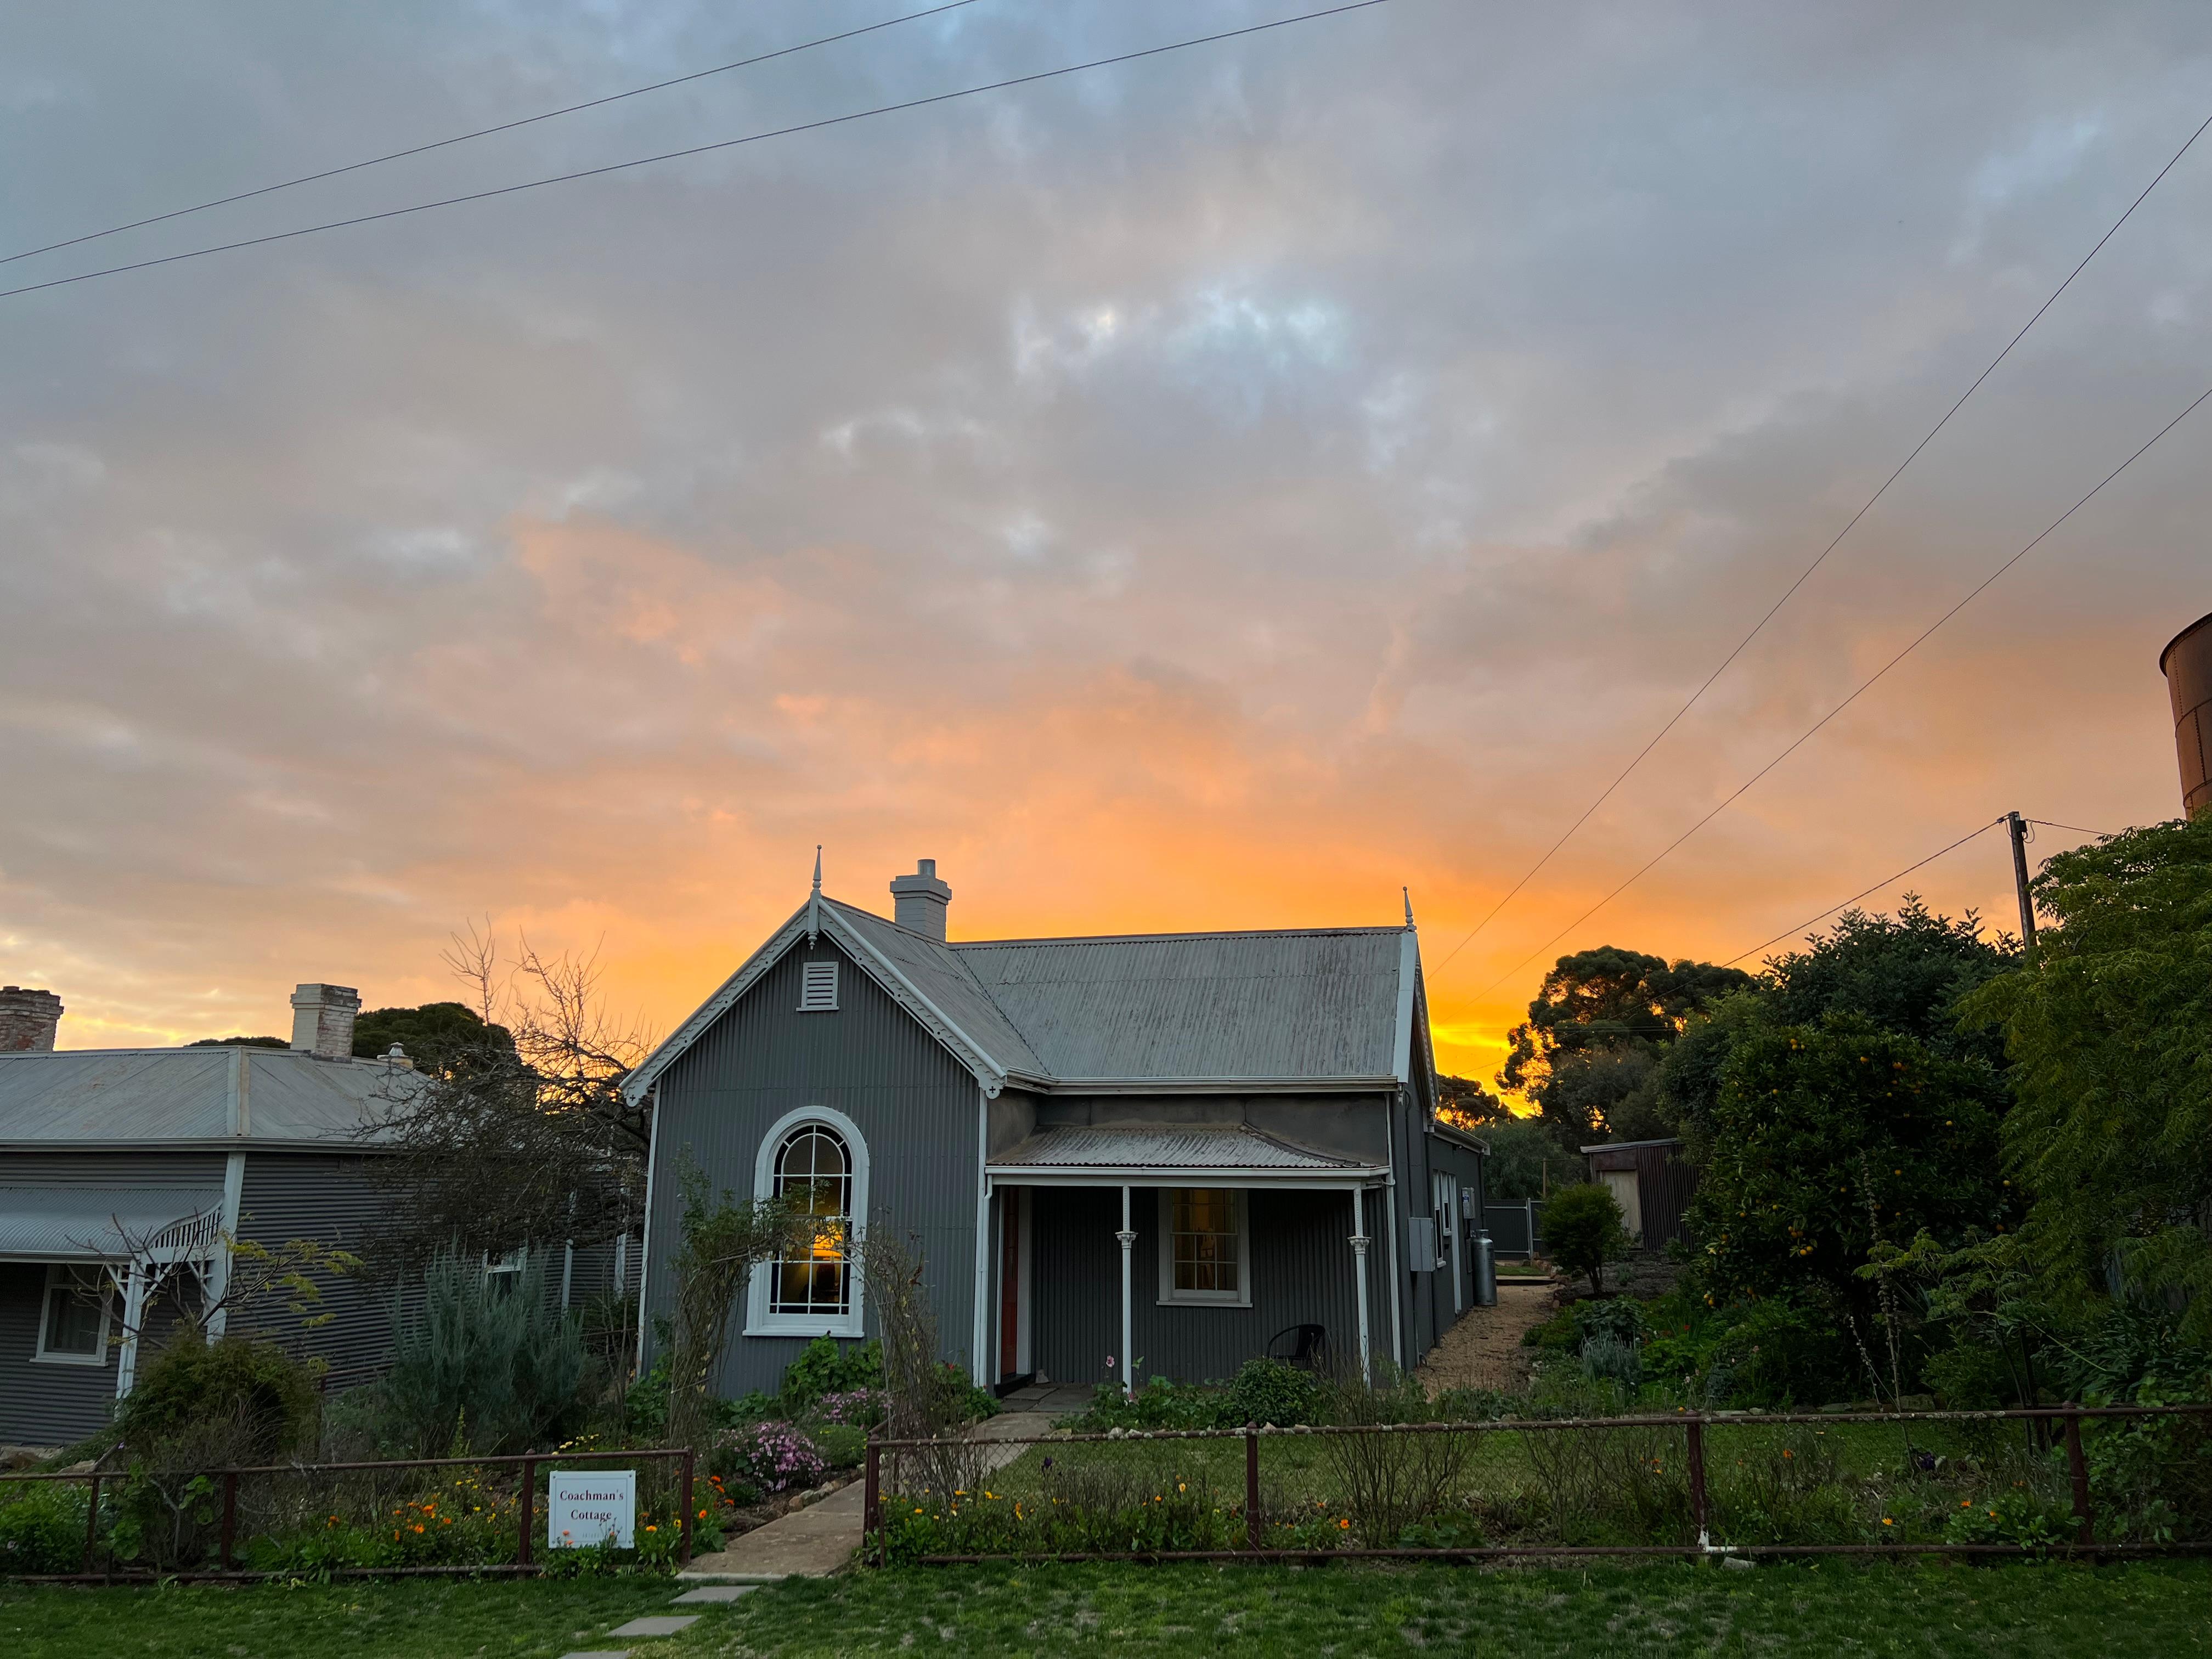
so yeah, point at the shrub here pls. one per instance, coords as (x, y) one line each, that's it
(1270, 1391)
(1616, 1316)
(842, 1445)
(269, 1397)
(481, 1367)
(42, 1528)
(825, 1366)
(774, 1456)
(1605, 1357)
(1582, 1231)
(865, 1407)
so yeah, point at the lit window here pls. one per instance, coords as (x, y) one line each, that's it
(818, 988)
(812, 1161)
(73, 1323)
(1204, 1253)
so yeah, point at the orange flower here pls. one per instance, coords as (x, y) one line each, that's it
(1343, 1526)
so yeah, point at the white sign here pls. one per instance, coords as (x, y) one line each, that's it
(590, 1506)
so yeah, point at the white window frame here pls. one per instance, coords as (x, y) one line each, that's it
(1239, 1204)
(811, 976)
(759, 1321)
(57, 1278)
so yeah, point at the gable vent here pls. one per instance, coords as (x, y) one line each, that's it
(817, 990)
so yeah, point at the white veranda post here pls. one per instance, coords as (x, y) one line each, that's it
(1128, 1238)
(1359, 1242)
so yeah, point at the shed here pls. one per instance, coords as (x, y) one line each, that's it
(1653, 1184)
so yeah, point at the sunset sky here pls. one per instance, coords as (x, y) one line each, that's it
(1211, 492)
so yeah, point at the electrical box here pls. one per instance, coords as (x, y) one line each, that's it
(1421, 1242)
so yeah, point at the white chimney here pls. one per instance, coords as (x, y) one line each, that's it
(322, 1020)
(919, 900)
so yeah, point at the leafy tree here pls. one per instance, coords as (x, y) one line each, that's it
(2109, 1030)
(441, 1038)
(1519, 1149)
(1828, 1140)
(1904, 973)
(1586, 1053)
(239, 1043)
(1466, 1102)
(1583, 1230)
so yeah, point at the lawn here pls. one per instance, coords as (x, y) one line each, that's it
(2016, 1610)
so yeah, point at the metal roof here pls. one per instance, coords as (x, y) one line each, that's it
(138, 1096)
(1330, 1007)
(60, 1224)
(1170, 1146)
(1314, 1004)
(940, 973)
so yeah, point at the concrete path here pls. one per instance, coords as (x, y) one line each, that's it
(808, 1543)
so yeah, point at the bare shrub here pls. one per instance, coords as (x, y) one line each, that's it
(1394, 1475)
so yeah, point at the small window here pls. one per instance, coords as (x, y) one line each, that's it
(504, 1273)
(818, 989)
(72, 1322)
(1204, 1246)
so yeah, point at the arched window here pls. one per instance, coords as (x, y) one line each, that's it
(818, 1154)
(814, 1163)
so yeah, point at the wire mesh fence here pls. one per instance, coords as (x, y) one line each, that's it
(462, 1515)
(2055, 1479)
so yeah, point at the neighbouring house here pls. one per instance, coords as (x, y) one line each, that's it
(1652, 1183)
(1166, 1153)
(127, 1173)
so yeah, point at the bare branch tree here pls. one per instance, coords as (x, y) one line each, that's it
(522, 1135)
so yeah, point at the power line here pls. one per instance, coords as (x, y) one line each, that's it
(1863, 685)
(2075, 829)
(703, 149)
(1803, 576)
(486, 132)
(1788, 932)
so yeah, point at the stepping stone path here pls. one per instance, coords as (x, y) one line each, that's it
(667, 1624)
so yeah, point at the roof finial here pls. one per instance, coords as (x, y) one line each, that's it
(814, 904)
(1408, 893)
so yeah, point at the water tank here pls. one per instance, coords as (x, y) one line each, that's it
(2187, 664)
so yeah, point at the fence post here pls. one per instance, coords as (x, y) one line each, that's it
(690, 1457)
(1251, 1486)
(92, 1521)
(872, 1495)
(527, 1503)
(1695, 1429)
(2078, 1466)
(229, 1515)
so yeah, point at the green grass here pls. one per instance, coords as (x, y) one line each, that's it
(1834, 1610)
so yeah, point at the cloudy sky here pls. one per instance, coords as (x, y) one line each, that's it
(1211, 492)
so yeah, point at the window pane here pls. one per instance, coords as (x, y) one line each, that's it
(73, 1316)
(1204, 1244)
(814, 1162)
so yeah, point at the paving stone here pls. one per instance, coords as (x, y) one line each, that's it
(717, 1593)
(659, 1624)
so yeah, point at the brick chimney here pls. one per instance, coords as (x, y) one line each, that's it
(919, 900)
(27, 1020)
(322, 1020)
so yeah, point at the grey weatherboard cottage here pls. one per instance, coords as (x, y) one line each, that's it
(1178, 1151)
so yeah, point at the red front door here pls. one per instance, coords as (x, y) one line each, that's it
(1010, 1284)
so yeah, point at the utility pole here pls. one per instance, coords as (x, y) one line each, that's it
(2018, 827)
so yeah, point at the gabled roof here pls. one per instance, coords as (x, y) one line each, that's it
(1312, 1003)
(185, 1096)
(1324, 1007)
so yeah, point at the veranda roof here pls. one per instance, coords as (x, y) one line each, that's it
(1155, 1154)
(97, 1224)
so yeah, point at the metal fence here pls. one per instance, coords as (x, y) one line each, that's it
(1516, 1229)
(381, 1478)
(888, 1473)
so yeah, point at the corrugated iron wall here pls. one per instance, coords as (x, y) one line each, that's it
(330, 1199)
(917, 1107)
(1301, 1274)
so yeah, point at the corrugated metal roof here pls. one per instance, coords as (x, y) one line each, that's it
(1166, 1146)
(135, 1096)
(940, 973)
(1321, 1003)
(54, 1224)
